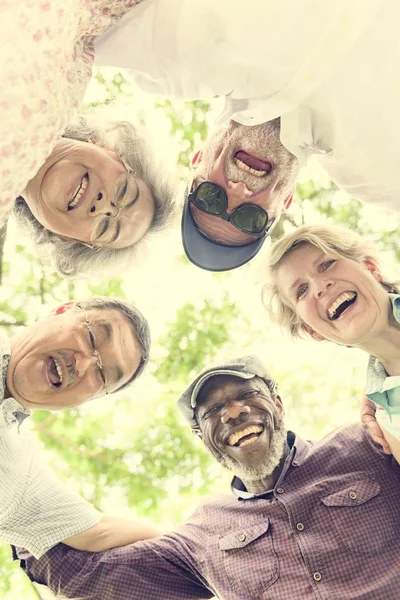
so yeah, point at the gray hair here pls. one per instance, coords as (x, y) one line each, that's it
(137, 321)
(72, 257)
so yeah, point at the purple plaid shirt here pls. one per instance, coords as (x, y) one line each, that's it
(329, 530)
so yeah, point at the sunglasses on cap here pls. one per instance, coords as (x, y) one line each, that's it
(210, 198)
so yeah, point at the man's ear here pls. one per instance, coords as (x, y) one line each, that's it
(63, 308)
(279, 403)
(373, 268)
(288, 202)
(313, 334)
(197, 158)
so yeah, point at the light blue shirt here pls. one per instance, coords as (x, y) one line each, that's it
(382, 388)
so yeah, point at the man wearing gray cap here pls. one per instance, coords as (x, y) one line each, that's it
(304, 520)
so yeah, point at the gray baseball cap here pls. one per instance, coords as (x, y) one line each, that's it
(245, 367)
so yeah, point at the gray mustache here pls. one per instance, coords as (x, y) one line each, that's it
(69, 366)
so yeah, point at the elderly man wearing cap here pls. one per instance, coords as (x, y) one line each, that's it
(304, 520)
(291, 63)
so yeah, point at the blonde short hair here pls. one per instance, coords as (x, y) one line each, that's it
(335, 241)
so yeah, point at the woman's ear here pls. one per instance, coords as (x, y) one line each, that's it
(313, 334)
(373, 268)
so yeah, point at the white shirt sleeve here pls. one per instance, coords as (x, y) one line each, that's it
(41, 511)
(277, 51)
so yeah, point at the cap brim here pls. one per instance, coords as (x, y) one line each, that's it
(210, 374)
(210, 255)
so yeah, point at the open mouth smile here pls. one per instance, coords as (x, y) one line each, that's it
(78, 192)
(246, 436)
(341, 305)
(54, 372)
(251, 164)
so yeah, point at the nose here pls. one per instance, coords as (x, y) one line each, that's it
(103, 204)
(83, 362)
(321, 286)
(233, 410)
(237, 193)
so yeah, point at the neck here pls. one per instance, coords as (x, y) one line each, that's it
(385, 346)
(268, 483)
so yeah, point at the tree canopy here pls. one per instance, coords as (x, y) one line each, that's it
(132, 452)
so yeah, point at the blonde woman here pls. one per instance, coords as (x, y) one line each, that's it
(326, 282)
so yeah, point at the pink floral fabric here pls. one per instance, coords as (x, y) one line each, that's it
(46, 56)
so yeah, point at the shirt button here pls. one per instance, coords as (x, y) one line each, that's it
(295, 463)
(317, 576)
(280, 490)
(352, 495)
(242, 537)
(300, 526)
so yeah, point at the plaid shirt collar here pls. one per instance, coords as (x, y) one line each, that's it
(298, 452)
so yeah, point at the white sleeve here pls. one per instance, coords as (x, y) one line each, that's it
(45, 513)
(279, 51)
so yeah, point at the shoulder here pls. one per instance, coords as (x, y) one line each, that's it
(350, 448)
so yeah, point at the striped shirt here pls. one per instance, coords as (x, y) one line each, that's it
(329, 530)
(36, 510)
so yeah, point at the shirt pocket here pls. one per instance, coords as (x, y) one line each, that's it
(361, 516)
(249, 559)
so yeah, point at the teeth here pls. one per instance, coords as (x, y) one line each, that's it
(342, 298)
(247, 442)
(78, 192)
(245, 167)
(235, 437)
(59, 371)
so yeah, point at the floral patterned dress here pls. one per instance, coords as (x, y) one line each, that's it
(46, 56)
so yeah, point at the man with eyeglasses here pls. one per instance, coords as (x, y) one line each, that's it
(81, 351)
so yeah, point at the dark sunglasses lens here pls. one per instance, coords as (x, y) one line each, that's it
(210, 198)
(251, 219)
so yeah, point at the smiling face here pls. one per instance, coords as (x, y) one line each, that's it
(78, 193)
(53, 365)
(252, 166)
(334, 297)
(242, 425)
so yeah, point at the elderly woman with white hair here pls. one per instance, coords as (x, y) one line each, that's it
(89, 192)
(46, 57)
(96, 196)
(326, 282)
